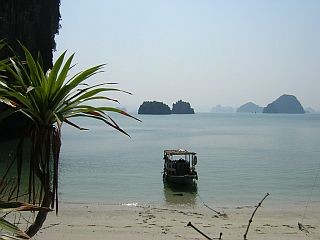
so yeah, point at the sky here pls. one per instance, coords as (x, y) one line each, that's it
(206, 52)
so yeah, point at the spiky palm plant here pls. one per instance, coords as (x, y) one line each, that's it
(49, 100)
(10, 230)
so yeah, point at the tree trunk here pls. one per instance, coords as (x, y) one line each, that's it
(32, 23)
(41, 217)
(42, 162)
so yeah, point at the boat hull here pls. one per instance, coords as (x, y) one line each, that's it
(181, 179)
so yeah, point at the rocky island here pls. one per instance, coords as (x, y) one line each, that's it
(285, 104)
(160, 108)
(222, 109)
(182, 107)
(250, 107)
(154, 107)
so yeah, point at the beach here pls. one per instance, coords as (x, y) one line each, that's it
(112, 188)
(102, 221)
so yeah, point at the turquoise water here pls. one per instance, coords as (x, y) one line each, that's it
(241, 157)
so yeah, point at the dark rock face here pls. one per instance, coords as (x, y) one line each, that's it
(182, 107)
(33, 24)
(13, 126)
(154, 107)
(250, 107)
(285, 104)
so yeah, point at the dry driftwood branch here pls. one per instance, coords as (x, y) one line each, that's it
(191, 225)
(250, 220)
(220, 214)
(303, 228)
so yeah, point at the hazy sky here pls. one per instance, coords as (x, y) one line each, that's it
(206, 52)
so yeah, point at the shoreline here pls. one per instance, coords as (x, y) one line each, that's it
(106, 221)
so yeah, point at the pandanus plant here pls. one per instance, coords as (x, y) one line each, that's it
(10, 230)
(50, 99)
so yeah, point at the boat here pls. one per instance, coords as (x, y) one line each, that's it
(179, 166)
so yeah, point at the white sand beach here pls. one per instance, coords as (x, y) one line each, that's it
(99, 221)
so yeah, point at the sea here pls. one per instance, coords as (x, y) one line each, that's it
(241, 158)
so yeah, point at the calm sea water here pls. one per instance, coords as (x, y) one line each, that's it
(241, 157)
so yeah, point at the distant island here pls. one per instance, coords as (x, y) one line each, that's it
(309, 110)
(285, 104)
(182, 107)
(250, 107)
(154, 107)
(222, 109)
(160, 108)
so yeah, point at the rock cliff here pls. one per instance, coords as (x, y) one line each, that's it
(182, 107)
(284, 104)
(154, 107)
(250, 107)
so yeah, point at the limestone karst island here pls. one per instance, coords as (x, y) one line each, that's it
(160, 108)
(249, 107)
(285, 104)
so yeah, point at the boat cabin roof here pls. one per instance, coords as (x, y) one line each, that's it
(178, 152)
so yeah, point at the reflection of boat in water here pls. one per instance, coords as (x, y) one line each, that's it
(177, 194)
(179, 166)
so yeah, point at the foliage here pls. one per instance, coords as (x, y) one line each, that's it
(8, 227)
(49, 100)
(9, 230)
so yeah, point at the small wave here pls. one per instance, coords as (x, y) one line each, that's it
(130, 204)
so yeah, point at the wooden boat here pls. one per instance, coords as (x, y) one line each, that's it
(179, 166)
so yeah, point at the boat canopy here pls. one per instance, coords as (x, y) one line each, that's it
(178, 152)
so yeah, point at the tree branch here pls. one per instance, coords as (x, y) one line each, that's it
(191, 225)
(250, 220)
